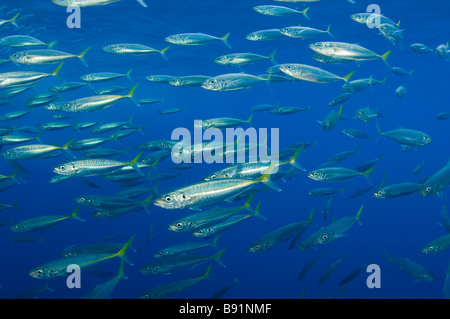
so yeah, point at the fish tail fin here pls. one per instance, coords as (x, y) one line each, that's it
(380, 132)
(224, 40)
(348, 76)
(271, 57)
(123, 250)
(359, 214)
(16, 205)
(328, 31)
(247, 203)
(293, 160)
(163, 52)
(13, 20)
(46, 287)
(411, 72)
(121, 273)
(214, 242)
(81, 56)
(52, 44)
(218, 259)
(385, 57)
(74, 214)
(134, 164)
(66, 148)
(310, 218)
(125, 151)
(128, 75)
(115, 137)
(249, 121)
(256, 213)
(56, 71)
(305, 14)
(207, 273)
(38, 137)
(265, 178)
(366, 174)
(146, 203)
(384, 80)
(131, 94)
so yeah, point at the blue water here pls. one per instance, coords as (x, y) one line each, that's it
(401, 226)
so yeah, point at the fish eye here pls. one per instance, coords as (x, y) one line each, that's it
(315, 173)
(62, 167)
(213, 176)
(183, 196)
(82, 199)
(324, 237)
(428, 189)
(168, 199)
(212, 81)
(39, 272)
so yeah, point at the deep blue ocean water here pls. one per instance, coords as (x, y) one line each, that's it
(401, 226)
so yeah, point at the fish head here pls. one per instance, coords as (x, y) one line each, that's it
(318, 175)
(224, 60)
(85, 201)
(381, 193)
(290, 70)
(358, 17)
(327, 125)
(163, 253)
(254, 36)
(180, 226)
(325, 238)
(428, 190)
(67, 169)
(19, 57)
(424, 139)
(101, 214)
(9, 154)
(111, 48)
(259, 247)
(174, 200)
(214, 84)
(220, 174)
(430, 249)
(177, 82)
(318, 47)
(288, 31)
(19, 228)
(174, 39)
(205, 232)
(43, 272)
(151, 269)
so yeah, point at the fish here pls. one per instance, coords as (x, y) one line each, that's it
(53, 126)
(265, 35)
(92, 142)
(185, 247)
(412, 268)
(264, 107)
(191, 39)
(278, 236)
(172, 110)
(372, 19)
(438, 245)
(170, 264)
(341, 99)
(57, 268)
(17, 139)
(104, 290)
(20, 41)
(134, 49)
(408, 137)
(225, 289)
(105, 76)
(391, 32)
(43, 57)
(331, 119)
(91, 103)
(308, 267)
(353, 275)
(342, 50)
(312, 74)
(367, 115)
(304, 32)
(232, 81)
(93, 167)
(222, 122)
(26, 152)
(351, 132)
(442, 116)
(400, 71)
(90, 3)
(420, 48)
(32, 294)
(189, 80)
(280, 11)
(401, 91)
(8, 206)
(327, 273)
(67, 86)
(325, 191)
(332, 174)
(443, 51)
(361, 84)
(329, 60)
(331, 232)
(397, 190)
(286, 110)
(238, 59)
(173, 288)
(22, 78)
(43, 222)
(436, 183)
